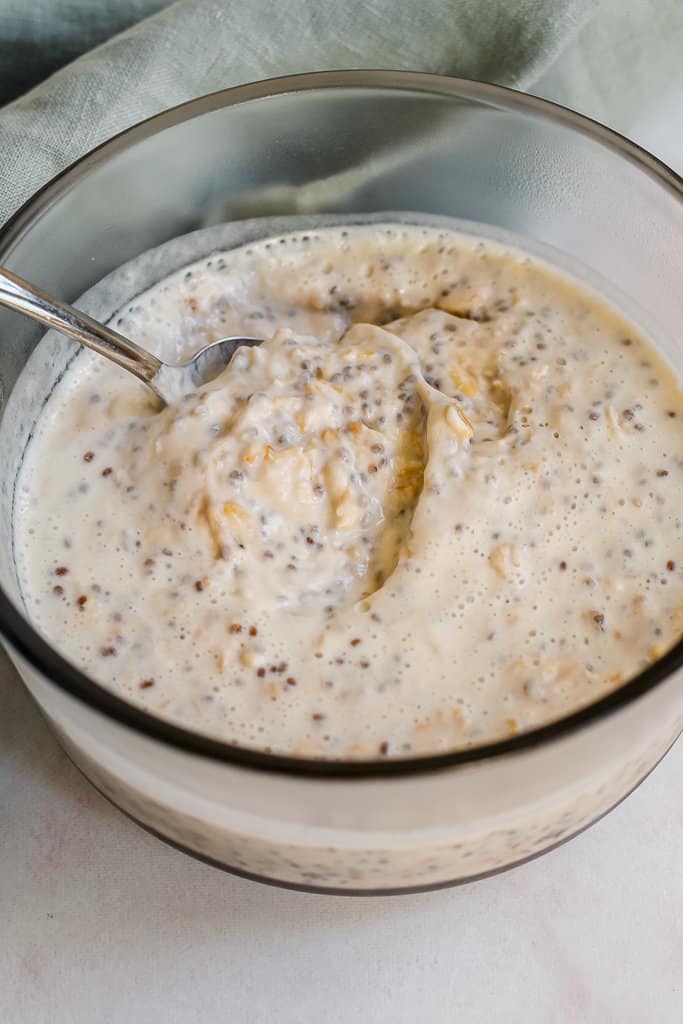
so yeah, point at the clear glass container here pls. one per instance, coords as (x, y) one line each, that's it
(349, 143)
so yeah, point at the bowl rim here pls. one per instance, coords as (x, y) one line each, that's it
(42, 657)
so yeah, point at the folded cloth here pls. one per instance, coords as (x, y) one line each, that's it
(197, 46)
(41, 36)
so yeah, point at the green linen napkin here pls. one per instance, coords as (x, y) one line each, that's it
(559, 48)
(198, 46)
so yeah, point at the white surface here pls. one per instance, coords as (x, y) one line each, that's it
(100, 922)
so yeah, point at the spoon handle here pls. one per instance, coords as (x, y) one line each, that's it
(25, 298)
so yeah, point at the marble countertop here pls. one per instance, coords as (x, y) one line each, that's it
(101, 922)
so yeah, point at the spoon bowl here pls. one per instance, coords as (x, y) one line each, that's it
(203, 366)
(168, 382)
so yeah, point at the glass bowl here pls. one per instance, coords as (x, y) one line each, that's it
(350, 143)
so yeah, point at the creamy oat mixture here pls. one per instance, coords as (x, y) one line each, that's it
(440, 504)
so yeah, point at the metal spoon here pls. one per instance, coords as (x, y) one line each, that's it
(168, 382)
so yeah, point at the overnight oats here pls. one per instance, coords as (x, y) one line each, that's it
(438, 506)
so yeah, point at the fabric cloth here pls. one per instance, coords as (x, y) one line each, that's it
(197, 46)
(577, 51)
(37, 37)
